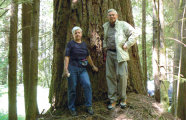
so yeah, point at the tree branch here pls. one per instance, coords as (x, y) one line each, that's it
(2, 3)
(176, 41)
(4, 13)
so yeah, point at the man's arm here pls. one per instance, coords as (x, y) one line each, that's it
(132, 36)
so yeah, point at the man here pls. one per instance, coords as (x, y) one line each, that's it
(119, 36)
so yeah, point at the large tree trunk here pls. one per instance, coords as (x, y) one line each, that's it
(32, 109)
(12, 59)
(26, 37)
(62, 10)
(82, 13)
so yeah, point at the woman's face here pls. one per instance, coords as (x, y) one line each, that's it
(77, 35)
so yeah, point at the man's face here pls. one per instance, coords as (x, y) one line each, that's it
(112, 17)
(77, 34)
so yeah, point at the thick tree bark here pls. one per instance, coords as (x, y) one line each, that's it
(26, 37)
(32, 109)
(12, 60)
(82, 13)
(62, 10)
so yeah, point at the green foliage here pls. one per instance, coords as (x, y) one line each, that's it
(4, 28)
(137, 13)
(45, 43)
(169, 14)
(4, 116)
(169, 31)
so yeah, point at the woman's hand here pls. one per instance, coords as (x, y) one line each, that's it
(66, 73)
(94, 68)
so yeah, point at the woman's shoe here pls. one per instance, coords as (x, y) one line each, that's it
(73, 113)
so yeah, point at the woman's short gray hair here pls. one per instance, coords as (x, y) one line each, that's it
(75, 28)
(112, 10)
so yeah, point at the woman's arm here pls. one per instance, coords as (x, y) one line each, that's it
(91, 63)
(66, 62)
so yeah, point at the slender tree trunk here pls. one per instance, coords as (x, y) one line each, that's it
(159, 55)
(181, 112)
(144, 42)
(32, 109)
(164, 83)
(155, 52)
(177, 27)
(82, 13)
(26, 36)
(182, 88)
(12, 59)
(179, 8)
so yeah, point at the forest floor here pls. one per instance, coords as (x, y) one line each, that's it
(139, 107)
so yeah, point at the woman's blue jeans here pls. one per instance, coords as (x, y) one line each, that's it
(81, 75)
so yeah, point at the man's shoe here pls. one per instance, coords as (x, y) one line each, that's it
(73, 113)
(89, 110)
(123, 104)
(112, 106)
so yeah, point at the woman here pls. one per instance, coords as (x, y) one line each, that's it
(76, 59)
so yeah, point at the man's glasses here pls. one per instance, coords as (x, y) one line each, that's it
(110, 15)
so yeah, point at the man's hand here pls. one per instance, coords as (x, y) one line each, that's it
(104, 54)
(124, 47)
(105, 50)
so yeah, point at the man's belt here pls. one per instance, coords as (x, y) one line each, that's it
(113, 50)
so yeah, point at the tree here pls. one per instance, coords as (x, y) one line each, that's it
(144, 57)
(179, 101)
(81, 13)
(12, 60)
(182, 86)
(164, 83)
(26, 37)
(159, 56)
(32, 109)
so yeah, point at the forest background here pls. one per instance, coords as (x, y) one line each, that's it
(173, 29)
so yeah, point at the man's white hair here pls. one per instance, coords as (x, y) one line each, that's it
(75, 28)
(112, 10)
